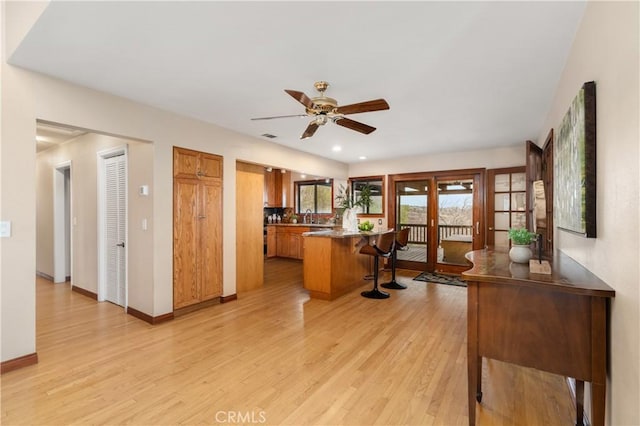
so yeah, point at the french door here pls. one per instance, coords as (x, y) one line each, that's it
(444, 212)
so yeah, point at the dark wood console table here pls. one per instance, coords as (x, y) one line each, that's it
(555, 323)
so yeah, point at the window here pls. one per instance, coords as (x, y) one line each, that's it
(316, 196)
(373, 188)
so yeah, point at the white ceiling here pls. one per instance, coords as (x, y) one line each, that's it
(457, 75)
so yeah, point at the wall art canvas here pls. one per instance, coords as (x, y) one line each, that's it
(575, 165)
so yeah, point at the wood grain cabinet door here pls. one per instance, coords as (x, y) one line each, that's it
(185, 243)
(209, 166)
(273, 188)
(185, 163)
(210, 235)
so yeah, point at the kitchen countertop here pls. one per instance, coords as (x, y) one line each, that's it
(304, 225)
(339, 233)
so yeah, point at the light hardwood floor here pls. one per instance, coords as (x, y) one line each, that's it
(271, 357)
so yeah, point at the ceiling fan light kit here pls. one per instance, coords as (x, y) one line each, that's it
(323, 109)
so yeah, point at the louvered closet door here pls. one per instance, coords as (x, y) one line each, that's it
(116, 207)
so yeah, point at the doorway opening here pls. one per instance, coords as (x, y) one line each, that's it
(62, 222)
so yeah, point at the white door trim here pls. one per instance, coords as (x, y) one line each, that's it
(59, 231)
(102, 270)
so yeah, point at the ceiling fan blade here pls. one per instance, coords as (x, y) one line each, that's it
(374, 105)
(280, 116)
(310, 130)
(300, 97)
(354, 125)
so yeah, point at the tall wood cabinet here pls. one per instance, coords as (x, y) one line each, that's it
(197, 227)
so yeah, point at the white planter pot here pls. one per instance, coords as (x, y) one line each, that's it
(520, 254)
(350, 220)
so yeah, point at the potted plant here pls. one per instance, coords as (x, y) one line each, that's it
(364, 198)
(293, 218)
(521, 240)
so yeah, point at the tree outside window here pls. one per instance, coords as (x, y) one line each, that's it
(314, 196)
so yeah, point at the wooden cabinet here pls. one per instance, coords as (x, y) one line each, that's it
(197, 227)
(196, 165)
(271, 241)
(277, 189)
(273, 188)
(289, 241)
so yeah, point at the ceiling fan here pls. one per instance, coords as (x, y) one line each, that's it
(324, 109)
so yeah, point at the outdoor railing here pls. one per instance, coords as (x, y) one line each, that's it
(418, 232)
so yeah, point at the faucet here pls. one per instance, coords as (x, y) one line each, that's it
(306, 213)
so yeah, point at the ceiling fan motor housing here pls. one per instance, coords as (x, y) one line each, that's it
(322, 105)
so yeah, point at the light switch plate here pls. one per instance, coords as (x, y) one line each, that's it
(5, 228)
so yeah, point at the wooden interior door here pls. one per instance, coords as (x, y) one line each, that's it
(249, 227)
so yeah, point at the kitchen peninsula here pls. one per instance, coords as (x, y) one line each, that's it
(332, 263)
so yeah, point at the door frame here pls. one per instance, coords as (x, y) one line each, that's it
(102, 270)
(478, 175)
(60, 230)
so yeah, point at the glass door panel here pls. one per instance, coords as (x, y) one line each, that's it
(507, 198)
(412, 200)
(455, 220)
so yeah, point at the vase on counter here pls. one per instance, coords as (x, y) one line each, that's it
(350, 220)
(520, 253)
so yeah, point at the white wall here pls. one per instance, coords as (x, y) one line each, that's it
(489, 158)
(82, 152)
(28, 96)
(606, 51)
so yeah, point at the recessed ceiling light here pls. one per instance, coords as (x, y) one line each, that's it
(336, 148)
(303, 176)
(362, 157)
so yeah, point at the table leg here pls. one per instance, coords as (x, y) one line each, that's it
(598, 396)
(474, 362)
(579, 402)
(599, 359)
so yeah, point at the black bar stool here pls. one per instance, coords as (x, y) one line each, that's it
(381, 248)
(402, 240)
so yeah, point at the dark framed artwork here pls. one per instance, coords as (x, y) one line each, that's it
(575, 165)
